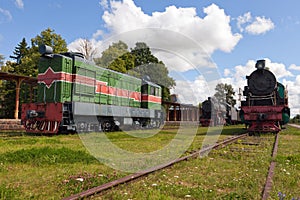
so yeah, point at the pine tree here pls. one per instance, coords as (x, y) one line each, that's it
(20, 51)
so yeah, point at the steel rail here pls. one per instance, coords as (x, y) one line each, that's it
(268, 184)
(134, 176)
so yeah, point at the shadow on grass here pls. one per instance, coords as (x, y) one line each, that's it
(46, 156)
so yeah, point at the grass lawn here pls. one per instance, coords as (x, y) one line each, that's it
(42, 167)
(287, 172)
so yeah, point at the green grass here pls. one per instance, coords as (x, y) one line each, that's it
(287, 172)
(41, 167)
(47, 156)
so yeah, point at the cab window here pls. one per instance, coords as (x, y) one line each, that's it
(152, 90)
(157, 92)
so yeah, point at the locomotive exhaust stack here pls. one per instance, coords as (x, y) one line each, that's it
(260, 64)
(44, 49)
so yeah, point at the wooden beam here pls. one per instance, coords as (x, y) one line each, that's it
(18, 86)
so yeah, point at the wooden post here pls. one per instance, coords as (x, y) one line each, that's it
(18, 85)
(168, 112)
(31, 94)
(175, 113)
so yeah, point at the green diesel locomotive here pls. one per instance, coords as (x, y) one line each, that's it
(75, 95)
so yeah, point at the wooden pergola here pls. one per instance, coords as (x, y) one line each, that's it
(19, 79)
(181, 112)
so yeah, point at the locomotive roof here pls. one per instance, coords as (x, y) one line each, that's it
(150, 83)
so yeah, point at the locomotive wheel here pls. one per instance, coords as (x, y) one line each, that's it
(107, 126)
(136, 125)
(81, 127)
(55, 126)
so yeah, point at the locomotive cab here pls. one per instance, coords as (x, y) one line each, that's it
(151, 95)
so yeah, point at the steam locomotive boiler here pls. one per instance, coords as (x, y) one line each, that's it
(265, 108)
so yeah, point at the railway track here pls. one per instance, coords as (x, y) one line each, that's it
(245, 140)
(268, 184)
(134, 176)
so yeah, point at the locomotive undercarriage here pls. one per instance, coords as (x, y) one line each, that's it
(108, 124)
(78, 117)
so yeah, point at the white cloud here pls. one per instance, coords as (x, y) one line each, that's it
(5, 16)
(193, 92)
(293, 94)
(243, 19)
(19, 4)
(278, 69)
(257, 26)
(186, 34)
(178, 36)
(227, 72)
(294, 67)
(104, 4)
(260, 25)
(97, 34)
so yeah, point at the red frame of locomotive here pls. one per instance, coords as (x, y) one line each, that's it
(273, 115)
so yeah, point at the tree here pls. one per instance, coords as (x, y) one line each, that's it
(48, 37)
(113, 52)
(1, 61)
(1, 83)
(8, 88)
(296, 119)
(123, 64)
(26, 63)
(19, 54)
(139, 62)
(143, 54)
(146, 64)
(225, 94)
(87, 48)
(20, 51)
(27, 58)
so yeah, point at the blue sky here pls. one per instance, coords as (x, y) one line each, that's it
(227, 35)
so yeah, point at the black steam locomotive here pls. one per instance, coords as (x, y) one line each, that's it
(265, 108)
(213, 112)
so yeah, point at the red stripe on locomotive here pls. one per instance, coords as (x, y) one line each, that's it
(151, 98)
